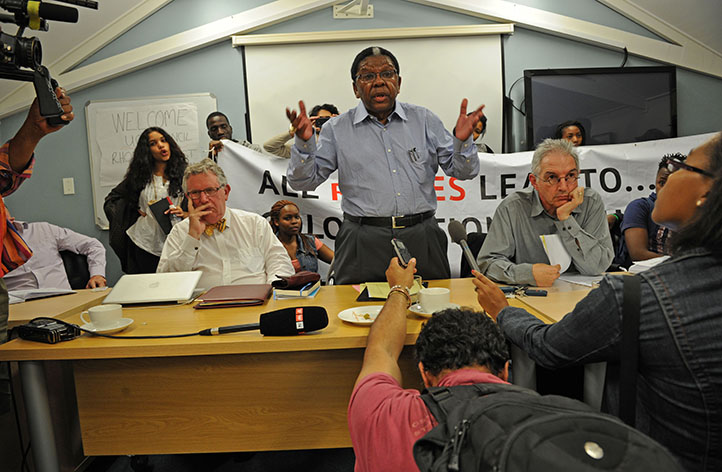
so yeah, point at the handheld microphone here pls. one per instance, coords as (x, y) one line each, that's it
(458, 235)
(51, 11)
(283, 322)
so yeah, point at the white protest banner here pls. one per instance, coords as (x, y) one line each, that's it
(620, 173)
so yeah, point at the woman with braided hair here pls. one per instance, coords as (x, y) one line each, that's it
(303, 249)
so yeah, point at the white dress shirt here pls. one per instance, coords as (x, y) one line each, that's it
(45, 268)
(246, 252)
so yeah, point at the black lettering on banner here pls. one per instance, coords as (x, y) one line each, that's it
(305, 194)
(267, 183)
(526, 181)
(505, 186)
(587, 173)
(488, 223)
(474, 221)
(284, 186)
(327, 226)
(603, 179)
(309, 226)
(482, 188)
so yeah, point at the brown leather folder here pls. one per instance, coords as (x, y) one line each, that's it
(235, 295)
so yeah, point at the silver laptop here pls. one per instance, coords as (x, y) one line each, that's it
(154, 288)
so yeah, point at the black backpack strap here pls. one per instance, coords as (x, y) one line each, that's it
(441, 400)
(629, 358)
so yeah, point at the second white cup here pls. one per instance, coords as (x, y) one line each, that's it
(433, 299)
(103, 315)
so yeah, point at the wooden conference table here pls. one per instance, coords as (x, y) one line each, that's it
(234, 392)
(55, 307)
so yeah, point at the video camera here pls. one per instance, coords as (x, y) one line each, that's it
(18, 53)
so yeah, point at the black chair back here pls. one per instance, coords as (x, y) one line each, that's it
(474, 240)
(76, 267)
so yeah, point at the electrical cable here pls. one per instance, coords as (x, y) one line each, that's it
(511, 101)
(159, 336)
(626, 56)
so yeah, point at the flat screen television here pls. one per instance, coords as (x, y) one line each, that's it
(613, 104)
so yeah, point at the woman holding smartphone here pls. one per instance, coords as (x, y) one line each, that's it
(154, 173)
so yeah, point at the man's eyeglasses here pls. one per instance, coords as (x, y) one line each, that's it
(368, 77)
(210, 192)
(554, 180)
(674, 164)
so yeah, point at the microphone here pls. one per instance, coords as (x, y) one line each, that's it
(283, 322)
(458, 235)
(51, 11)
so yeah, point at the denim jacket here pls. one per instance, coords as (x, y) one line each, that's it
(679, 390)
(307, 258)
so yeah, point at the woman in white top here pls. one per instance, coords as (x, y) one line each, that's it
(154, 173)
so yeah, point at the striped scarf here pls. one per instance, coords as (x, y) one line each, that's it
(15, 250)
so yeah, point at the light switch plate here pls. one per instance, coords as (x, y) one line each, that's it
(68, 186)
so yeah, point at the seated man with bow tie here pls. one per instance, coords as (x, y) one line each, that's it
(230, 246)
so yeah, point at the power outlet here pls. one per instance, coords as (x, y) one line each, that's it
(68, 186)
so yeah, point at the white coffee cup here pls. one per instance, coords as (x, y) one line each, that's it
(433, 299)
(103, 315)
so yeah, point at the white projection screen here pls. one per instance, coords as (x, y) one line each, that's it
(436, 73)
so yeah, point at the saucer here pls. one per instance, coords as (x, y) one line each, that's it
(118, 325)
(361, 315)
(417, 310)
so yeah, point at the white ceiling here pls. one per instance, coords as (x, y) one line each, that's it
(699, 19)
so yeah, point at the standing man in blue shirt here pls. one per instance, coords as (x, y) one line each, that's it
(387, 154)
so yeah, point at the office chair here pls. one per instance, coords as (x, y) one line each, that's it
(76, 267)
(474, 240)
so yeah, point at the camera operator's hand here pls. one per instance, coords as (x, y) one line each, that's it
(35, 127)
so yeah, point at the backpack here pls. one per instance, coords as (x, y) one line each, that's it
(502, 427)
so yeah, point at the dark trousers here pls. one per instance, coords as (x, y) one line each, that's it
(363, 252)
(141, 261)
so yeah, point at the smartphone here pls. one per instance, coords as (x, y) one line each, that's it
(401, 252)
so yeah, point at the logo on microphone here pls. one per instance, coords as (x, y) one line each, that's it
(299, 318)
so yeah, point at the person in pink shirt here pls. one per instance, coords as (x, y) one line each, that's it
(454, 347)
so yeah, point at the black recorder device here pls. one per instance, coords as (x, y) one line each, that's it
(47, 330)
(401, 252)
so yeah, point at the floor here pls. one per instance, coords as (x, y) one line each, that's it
(327, 460)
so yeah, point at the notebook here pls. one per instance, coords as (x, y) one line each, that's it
(235, 295)
(154, 288)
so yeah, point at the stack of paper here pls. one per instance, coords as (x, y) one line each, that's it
(641, 266)
(19, 296)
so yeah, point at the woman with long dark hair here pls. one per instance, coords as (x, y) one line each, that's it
(679, 388)
(154, 173)
(303, 249)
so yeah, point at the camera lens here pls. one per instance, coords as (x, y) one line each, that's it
(28, 52)
(321, 120)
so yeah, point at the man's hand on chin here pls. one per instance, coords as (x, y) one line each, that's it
(195, 215)
(577, 197)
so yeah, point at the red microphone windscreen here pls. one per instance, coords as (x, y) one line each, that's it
(293, 321)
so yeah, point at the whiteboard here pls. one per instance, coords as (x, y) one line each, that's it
(436, 73)
(114, 127)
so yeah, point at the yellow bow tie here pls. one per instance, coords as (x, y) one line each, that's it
(220, 225)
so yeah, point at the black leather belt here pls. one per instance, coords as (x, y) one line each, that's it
(390, 221)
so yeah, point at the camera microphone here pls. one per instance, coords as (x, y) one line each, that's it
(284, 322)
(458, 235)
(51, 11)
